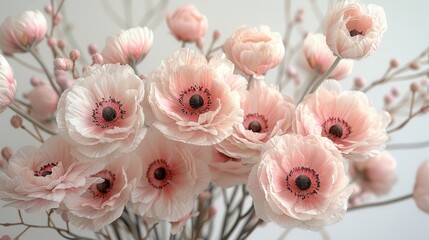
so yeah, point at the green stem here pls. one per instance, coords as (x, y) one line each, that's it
(31, 119)
(378, 204)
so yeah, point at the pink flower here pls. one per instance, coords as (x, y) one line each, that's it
(7, 84)
(346, 117)
(354, 30)
(20, 32)
(300, 182)
(267, 113)
(187, 23)
(194, 101)
(319, 57)
(228, 171)
(104, 201)
(173, 174)
(39, 179)
(100, 114)
(255, 50)
(421, 187)
(43, 99)
(129, 46)
(375, 175)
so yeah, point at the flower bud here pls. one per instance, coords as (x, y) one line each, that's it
(16, 121)
(414, 87)
(394, 63)
(216, 35)
(395, 91)
(97, 58)
(52, 42)
(359, 82)
(388, 99)
(64, 64)
(61, 44)
(93, 49)
(187, 23)
(34, 81)
(414, 65)
(74, 55)
(6, 153)
(57, 19)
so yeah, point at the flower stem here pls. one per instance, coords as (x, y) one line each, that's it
(31, 119)
(325, 75)
(48, 75)
(377, 204)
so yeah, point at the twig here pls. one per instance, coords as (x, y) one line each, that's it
(377, 204)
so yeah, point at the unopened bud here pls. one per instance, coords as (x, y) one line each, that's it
(52, 42)
(61, 44)
(64, 64)
(92, 49)
(48, 9)
(415, 65)
(16, 121)
(216, 35)
(35, 81)
(388, 99)
(291, 72)
(74, 55)
(395, 91)
(57, 19)
(414, 87)
(97, 58)
(394, 63)
(7, 153)
(359, 82)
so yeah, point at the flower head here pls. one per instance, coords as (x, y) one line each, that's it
(319, 57)
(100, 114)
(195, 101)
(346, 117)
(267, 113)
(104, 200)
(18, 33)
(43, 99)
(7, 84)
(300, 182)
(354, 30)
(129, 46)
(173, 174)
(187, 23)
(39, 179)
(421, 187)
(255, 50)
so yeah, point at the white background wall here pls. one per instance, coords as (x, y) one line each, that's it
(407, 35)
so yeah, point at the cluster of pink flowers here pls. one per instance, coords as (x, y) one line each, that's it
(154, 144)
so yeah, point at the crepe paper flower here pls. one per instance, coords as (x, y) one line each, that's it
(421, 187)
(255, 50)
(38, 179)
(319, 57)
(228, 171)
(187, 23)
(267, 113)
(375, 175)
(346, 117)
(104, 201)
(100, 114)
(7, 84)
(300, 182)
(19, 33)
(173, 174)
(129, 46)
(354, 30)
(195, 101)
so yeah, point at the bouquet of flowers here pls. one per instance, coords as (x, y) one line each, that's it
(205, 144)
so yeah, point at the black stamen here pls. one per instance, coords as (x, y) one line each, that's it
(355, 32)
(254, 126)
(196, 101)
(160, 173)
(109, 114)
(336, 130)
(303, 182)
(104, 186)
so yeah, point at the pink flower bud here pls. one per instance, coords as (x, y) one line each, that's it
(394, 63)
(52, 42)
(421, 187)
(414, 87)
(43, 99)
(58, 18)
(64, 64)
(61, 44)
(291, 72)
(187, 23)
(93, 49)
(74, 55)
(415, 66)
(48, 9)
(97, 58)
(16, 121)
(6, 153)
(359, 82)
(19, 32)
(216, 35)
(34, 81)
(388, 99)
(395, 91)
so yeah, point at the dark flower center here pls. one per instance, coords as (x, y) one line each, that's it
(196, 101)
(160, 173)
(104, 186)
(303, 182)
(45, 170)
(108, 114)
(255, 126)
(355, 32)
(336, 130)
